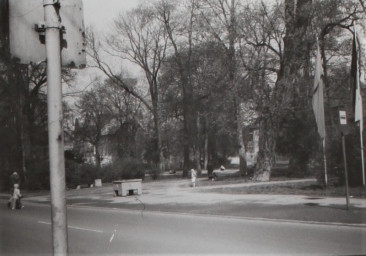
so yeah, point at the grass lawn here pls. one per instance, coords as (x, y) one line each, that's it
(308, 188)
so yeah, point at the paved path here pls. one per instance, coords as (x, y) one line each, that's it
(168, 192)
(178, 196)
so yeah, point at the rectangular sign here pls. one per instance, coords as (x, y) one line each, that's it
(27, 44)
(342, 117)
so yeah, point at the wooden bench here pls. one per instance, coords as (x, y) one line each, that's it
(127, 187)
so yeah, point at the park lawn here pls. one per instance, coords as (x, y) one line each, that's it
(309, 188)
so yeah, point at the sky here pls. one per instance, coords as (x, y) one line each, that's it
(99, 16)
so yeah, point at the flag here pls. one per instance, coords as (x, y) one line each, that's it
(357, 97)
(355, 84)
(318, 95)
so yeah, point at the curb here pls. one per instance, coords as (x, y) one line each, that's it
(257, 219)
(338, 224)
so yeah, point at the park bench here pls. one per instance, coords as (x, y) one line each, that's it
(127, 187)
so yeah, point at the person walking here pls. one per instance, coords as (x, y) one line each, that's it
(15, 203)
(14, 179)
(15, 191)
(193, 177)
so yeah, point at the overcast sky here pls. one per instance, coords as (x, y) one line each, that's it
(100, 13)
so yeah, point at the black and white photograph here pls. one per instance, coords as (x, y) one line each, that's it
(182, 127)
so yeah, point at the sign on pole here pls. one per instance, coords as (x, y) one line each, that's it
(342, 117)
(344, 130)
(27, 32)
(51, 30)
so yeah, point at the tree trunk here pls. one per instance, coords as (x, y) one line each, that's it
(197, 147)
(206, 146)
(266, 152)
(189, 130)
(295, 70)
(161, 164)
(232, 80)
(241, 144)
(98, 160)
(23, 148)
(24, 138)
(186, 143)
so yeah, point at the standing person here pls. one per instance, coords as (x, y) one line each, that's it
(193, 177)
(14, 179)
(15, 203)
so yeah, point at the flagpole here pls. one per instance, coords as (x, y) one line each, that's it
(358, 97)
(325, 164)
(362, 157)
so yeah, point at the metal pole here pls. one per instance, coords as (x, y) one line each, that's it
(55, 132)
(345, 169)
(362, 156)
(325, 164)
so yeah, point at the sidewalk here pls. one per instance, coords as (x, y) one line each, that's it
(178, 196)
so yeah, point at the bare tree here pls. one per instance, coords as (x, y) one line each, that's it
(222, 19)
(126, 113)
(140, 39)
(330, 19)
(95, 115)
(95, 50)
(179, 22)
(261, 54)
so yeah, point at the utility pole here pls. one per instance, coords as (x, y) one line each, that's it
(345, 170)
(55, 129)
(27, 37)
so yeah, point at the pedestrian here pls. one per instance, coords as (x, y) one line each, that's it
(193, 177)
(15, 202)
(14, 179)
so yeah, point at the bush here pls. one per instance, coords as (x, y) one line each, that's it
(335, 158)
(77, 174)
(126, 168)
(129, 168)
(38, 175)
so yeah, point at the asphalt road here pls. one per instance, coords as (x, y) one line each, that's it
(102, 231)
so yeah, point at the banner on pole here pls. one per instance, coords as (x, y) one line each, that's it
(318, 95)
(355, 83)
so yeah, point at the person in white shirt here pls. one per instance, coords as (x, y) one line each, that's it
(193, 177)
(16, 197)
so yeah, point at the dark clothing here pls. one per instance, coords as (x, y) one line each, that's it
(18, 204)
(14, 179)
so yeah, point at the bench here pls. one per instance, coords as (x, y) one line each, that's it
(127, 187)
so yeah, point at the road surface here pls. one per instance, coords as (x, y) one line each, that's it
(103, 231)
